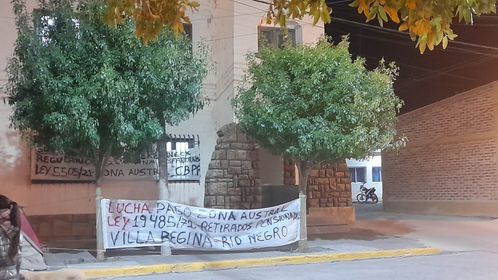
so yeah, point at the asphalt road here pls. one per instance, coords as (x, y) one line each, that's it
(470, 248)
(453, 266)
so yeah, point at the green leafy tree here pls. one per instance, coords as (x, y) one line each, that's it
(80, 87)
(171, 83)
(316, 104)
(426, 21)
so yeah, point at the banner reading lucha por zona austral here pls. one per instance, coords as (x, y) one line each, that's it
(136, 223)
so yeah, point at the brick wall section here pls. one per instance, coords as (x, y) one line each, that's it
(451, 152)
(466, 113)
(328, 186)
(232, 179)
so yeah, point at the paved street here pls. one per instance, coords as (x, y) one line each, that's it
(470, 251)
(461, 266)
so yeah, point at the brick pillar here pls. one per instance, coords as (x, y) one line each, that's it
(329, 199)
(328, 186)
(232, 179)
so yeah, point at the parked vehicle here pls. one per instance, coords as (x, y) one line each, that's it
(366, 194)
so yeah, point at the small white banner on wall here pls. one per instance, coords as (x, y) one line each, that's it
(136, 223)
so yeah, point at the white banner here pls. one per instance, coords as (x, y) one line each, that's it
(134, 223)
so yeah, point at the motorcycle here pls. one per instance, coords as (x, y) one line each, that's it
(366, 194)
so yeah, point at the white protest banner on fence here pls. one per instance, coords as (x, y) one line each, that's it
(134, 223)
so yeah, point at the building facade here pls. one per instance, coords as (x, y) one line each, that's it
(450, 162)
(231, 29)
(368, 172)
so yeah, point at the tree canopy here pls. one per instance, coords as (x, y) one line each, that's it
(427, 22)
(74, 86)
(82, 88)
(314, 104)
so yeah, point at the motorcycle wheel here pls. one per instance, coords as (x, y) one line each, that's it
(361, 197)
(374, 198)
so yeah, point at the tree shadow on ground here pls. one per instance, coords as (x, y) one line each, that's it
(368, 230)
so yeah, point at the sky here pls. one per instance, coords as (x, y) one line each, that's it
(468, 62)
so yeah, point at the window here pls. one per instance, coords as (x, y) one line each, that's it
(376, 174)
(180, 144)
(184, 159)
(358, 174)
(48, 24)
(276, 36)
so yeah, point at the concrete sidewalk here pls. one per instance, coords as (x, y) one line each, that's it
(325, 248)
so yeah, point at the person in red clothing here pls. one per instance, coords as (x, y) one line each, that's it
(10, 233)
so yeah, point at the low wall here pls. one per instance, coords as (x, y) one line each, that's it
(65, 231)
(330, 219)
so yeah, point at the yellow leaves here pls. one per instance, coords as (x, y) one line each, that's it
(403, 26)
(268, 17)
(280, 10)
(319, 11)
(434, 37)
(316, 14)
(428, 32)
(326, 11)
(382, 14)
(429, 35)
(445, 42)
(363, 7)
(427, 41)
(430, 41)
(383, 10)
(421, 27)
(418, 18)
(393, 14)
(151, 16)
(422, 43)
(411, 4)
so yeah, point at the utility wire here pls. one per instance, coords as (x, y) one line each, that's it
(388, 30)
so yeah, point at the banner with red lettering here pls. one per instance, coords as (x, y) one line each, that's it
(133, 223)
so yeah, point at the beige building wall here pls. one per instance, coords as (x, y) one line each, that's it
(228, 28)
(450, 163)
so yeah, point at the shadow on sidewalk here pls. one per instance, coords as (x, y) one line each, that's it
(368, 230)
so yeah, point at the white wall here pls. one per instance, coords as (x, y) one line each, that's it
(370, 162)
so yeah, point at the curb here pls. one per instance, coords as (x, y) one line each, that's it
(251, 263)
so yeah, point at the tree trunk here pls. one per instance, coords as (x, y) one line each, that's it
(304, 168)
(162, 154)
(100, 164)
(99, 231)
